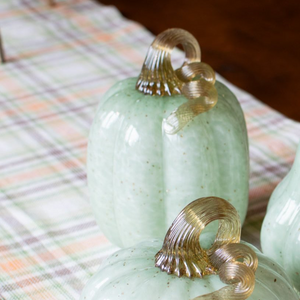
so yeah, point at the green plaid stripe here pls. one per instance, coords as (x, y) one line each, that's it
(61, 61)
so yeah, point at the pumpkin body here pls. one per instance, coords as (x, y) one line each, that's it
(130, 274)
(140, 178)
(280, 235)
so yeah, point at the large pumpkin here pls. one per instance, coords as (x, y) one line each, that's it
(130, 274)
(151, 154)
(280, 235)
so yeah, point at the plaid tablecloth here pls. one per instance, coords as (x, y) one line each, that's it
(60, 62)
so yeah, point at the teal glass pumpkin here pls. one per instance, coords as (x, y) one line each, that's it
(280, 234)
(133, 273)
(154, 148)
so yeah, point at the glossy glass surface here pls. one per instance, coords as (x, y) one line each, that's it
(140, 178)
(130, 274)
(280, 235)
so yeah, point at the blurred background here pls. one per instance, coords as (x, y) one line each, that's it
(253, 44)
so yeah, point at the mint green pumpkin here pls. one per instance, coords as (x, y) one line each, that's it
(140, 178)
(280, 235)
(130, 274)
(140, 175)
(181, 268)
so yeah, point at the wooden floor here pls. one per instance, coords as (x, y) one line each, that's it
(253, 44)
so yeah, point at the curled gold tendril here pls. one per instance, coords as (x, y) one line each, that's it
(241, 280)
(193, 79)
(234, 252)
(183, 255)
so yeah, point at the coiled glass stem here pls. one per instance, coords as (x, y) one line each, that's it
(183, 255)
(193, 79)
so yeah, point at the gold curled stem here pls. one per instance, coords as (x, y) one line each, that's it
(241, 280)
(193, 79)
(157, 75)
(182, 254)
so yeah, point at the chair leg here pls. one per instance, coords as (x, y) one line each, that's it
(2, 53)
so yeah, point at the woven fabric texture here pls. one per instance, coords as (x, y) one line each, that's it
(60, 61)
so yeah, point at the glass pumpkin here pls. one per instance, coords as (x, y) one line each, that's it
(190, 271)
(158, 142)
(280, 234)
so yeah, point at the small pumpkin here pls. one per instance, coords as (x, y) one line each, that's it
(183, 270)
(280, 234)
(163, 139)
